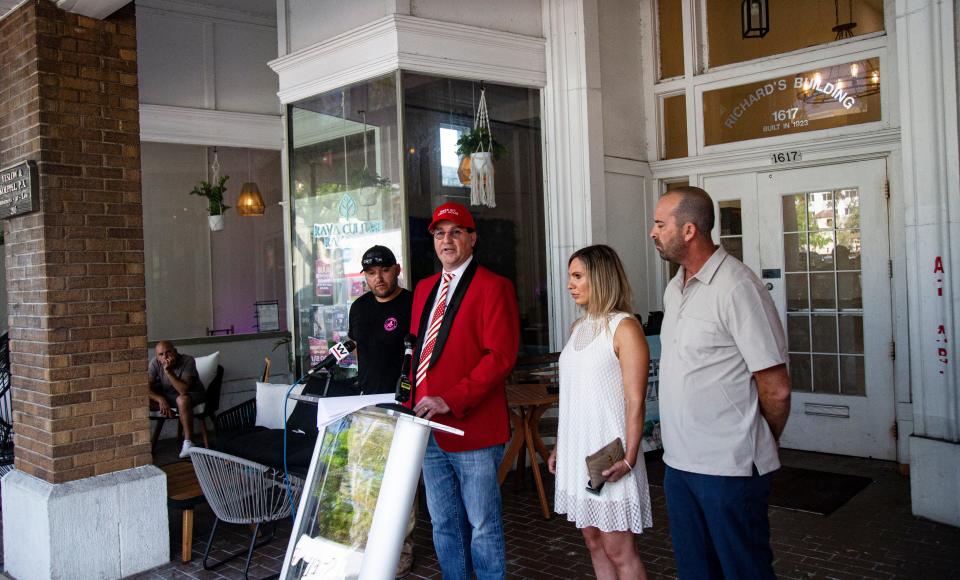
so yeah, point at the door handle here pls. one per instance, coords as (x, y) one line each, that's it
(769, 286)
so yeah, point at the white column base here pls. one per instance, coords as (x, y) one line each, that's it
(109, 526)
(935, 479)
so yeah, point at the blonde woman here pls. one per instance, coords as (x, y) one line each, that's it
(603, 386)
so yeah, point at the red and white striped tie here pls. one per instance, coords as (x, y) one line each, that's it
(434, 329)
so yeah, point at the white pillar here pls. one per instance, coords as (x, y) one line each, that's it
(928, 110)
(573, 146)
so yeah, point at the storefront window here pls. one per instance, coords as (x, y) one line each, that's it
(793, 25)
(346, 197)
(670, 38)
(512, 237)
(201, 282)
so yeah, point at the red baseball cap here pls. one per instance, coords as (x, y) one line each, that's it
(452, 212)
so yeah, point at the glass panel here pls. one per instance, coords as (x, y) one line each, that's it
(670, 22)
(852, 376)
(346, 197)
(795, 252)
(822, 292)
(797, 294)
(848, 291)
(805, 101)
(733, 246)
(798, 333)
(847, 253)
(792, 26)
(821, 251)
(824, 332)
(213, 285)
(511, 237)
(675, 126)
(794, 213)
(851, 333)
(820, 211)
(848, 208)
(731, 223)
(800, 372)
(825, 372)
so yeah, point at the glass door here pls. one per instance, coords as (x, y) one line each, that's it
(824, 258)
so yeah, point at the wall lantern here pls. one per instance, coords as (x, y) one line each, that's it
(250, 202)
(755, 18)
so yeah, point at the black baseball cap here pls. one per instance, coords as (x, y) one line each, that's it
(378, 256)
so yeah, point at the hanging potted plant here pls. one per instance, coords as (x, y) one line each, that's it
(474, 140)
(482, 149)
(215, 206)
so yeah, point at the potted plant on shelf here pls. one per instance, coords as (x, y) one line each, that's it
(214, 195)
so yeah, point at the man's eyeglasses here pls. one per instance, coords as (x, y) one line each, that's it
(455, 233)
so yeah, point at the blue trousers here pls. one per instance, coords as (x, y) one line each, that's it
(463, 495)
(719, 525)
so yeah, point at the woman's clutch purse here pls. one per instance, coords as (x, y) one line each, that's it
(602, 460)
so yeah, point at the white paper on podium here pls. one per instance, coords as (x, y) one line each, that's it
(331, 409)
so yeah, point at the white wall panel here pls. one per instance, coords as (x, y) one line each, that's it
(517, 16)
(244, 83)
(311, 21)
(170, 60)
(627, 225)
(621, 78)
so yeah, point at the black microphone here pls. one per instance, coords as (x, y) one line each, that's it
(403, 383)
(338, 352)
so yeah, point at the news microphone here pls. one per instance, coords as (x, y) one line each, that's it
(338, 352)
(403, 383)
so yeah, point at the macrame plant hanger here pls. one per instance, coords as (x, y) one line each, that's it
(481, 161)
(216, 221)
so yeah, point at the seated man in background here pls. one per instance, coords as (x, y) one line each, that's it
(174, 381)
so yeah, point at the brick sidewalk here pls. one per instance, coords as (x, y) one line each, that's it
(872, 536)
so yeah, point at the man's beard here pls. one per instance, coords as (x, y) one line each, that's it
(385, 293)
(669, 253)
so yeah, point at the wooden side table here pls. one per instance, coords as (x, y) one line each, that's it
(184, 493)
(528, 402)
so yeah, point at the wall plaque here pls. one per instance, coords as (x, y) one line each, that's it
(833, 96)
(19, 189)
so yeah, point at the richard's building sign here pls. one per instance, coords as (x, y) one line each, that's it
(19, 189)
(834, 96)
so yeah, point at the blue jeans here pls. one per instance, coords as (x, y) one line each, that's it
(719, 524)
(463, 495)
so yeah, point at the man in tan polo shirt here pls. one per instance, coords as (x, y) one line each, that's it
(724, 396)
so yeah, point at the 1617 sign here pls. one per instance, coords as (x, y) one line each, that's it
(19, 189)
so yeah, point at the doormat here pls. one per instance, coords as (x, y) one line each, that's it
(792, 488)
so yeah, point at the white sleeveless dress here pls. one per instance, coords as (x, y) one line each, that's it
(592, 414)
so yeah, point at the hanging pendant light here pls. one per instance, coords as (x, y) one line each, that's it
(754, 18)
(250, 203)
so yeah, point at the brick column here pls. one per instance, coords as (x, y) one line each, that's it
(75, 267)
(77, 312)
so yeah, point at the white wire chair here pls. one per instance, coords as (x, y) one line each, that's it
(242, 492)
(6, 408)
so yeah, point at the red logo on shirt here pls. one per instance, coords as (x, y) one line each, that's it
(391, 324)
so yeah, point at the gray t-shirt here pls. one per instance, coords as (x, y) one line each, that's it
(184, 368)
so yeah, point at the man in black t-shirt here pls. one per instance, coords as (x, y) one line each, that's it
(378, 322)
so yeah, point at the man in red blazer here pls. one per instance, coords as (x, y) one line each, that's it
(468, 326)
